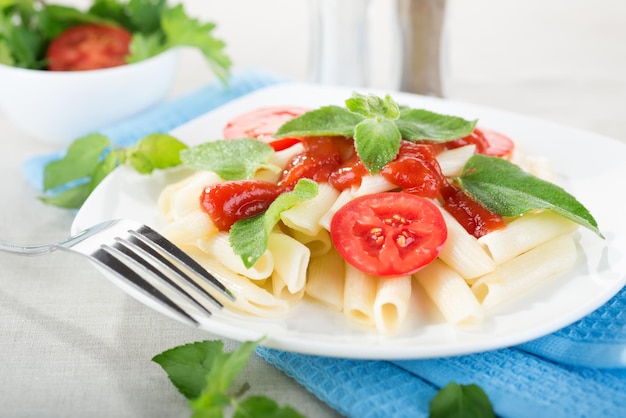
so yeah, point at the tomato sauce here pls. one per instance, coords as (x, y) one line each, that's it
(334, 160)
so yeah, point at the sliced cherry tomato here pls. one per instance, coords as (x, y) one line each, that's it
(487, 141)
(228, 202)
(262, 123)
(389, 234)
(499, 145)
(89, 47)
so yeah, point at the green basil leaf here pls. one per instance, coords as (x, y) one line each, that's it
(233, 159)
(505, 189)
(327, 120)
(419, 124)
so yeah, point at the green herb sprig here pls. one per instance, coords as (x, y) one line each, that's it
(205, 374)
(28, 26)
(69, 180)
(377, 126)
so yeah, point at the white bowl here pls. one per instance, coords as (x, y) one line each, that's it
(59, 106)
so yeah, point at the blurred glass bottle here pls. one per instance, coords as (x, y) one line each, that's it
(342, 40)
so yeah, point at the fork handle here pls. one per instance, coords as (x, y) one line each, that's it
(26, 249)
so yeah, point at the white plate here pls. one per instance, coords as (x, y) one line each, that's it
(589, 166)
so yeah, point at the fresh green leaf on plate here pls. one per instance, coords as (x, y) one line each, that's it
(506, 189)
(249, 237)
(234, 159)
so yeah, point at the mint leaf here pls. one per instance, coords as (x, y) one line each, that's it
(155, 151)
(327, 120)
(461, 401)
(376, 142)
(234, 159)
(419, 124)
(249, 237)
(78, 163)
(89, 159)
(181, 30)
(505, 189)
(372, 106)
(187, 366)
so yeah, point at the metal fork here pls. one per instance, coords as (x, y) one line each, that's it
(139, 255)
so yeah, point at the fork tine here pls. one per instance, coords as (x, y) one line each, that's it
(154, 239)
(124, 272)
(126, 251)
(158, 258)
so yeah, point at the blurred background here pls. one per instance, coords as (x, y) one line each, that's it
(525, 56)
(533, 56)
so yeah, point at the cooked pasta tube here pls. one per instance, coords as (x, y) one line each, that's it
(279, 288)
(525, 233)
(526, 271)
(462, 251)
(344, 197)
(325, 279)
(449, 292)
(372, 184)
(305, 216)
(359, 293)
(391, 303)
(249, 297)
(218, 247)
(452, 161)
(291, 259)
(189, 228)
(318, 244)
(178, 199)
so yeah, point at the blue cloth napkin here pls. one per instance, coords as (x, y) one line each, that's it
(578, 371)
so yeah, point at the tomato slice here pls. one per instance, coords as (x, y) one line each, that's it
(89, 47)
(498, 145)
(389, 234)
(261, 124)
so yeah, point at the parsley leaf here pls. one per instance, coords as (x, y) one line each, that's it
(505, 189)
(461, 401)
(204, 374)
(234, 159)
(249, 237)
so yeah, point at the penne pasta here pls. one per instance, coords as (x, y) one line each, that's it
(391, 303)
(218, 246)
(450, 293)
(358, 296)
(526, 271)
(343, 198)
(318, 244)
(291, 259)
(372, 184)
(189, 228)
(326, 279)
(462, 251)
(525, 233)
(249, 297)
(177, 200)
(305, 216)
(453, 160)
